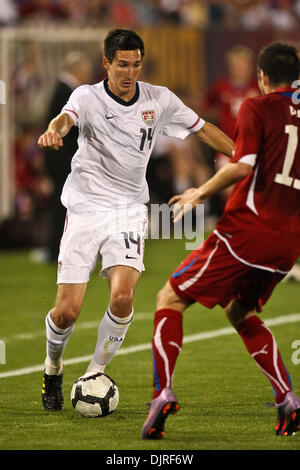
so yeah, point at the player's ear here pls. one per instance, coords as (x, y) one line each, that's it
(263, 77)
(105, 62)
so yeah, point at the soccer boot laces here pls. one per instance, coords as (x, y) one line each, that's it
(160, 408)
(52, 394)
(288, 421)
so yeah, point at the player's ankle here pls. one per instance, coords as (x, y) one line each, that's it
(280, 397)
(53, 367)
(95, 367)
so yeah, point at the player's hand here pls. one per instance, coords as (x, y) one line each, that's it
(50, 140)
(184, 203)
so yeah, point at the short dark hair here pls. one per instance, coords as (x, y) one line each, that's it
(123, 40)
(280, 62)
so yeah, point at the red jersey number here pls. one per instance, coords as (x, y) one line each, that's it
(284, 177)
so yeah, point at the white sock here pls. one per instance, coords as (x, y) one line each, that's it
(111, 334)
(57, 339)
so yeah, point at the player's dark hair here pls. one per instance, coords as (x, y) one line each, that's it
(280, 62)
(123, 40)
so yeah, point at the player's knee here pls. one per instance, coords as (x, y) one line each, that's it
(235, 313)
(230, 317)
(164, 297)
(65, 315)
(160, 297)
(121, 303)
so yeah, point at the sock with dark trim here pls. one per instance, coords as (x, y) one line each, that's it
(57, 339)
(111, 334)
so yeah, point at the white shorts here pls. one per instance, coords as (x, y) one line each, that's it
(116, 235)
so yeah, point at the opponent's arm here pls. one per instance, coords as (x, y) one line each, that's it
(230, 174)
(212, 136)
(58, 128)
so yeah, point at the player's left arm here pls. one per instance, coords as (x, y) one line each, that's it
(247, 144)
(212, 136)
(230, 174)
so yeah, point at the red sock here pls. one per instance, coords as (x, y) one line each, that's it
(166, 345)
(262, 346)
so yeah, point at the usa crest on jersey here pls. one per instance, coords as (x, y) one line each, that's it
(148, 117)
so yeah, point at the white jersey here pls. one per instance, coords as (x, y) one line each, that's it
(115, 142)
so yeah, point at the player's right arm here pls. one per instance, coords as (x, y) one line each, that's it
(228, 175)
(58, 128)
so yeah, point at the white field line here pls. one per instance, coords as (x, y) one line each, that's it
(285, 319)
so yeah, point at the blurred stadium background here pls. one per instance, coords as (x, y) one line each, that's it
(186, 45)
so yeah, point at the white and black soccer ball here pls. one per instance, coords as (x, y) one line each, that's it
(94, 395)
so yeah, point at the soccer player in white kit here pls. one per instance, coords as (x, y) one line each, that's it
(105, 194)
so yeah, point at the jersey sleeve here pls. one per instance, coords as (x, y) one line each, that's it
(180, 120)
(75, 105)
(248, 134)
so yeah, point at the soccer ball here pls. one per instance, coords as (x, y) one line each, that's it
(94, 395)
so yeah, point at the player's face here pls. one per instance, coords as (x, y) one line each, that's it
(123, 72)
(240, 69)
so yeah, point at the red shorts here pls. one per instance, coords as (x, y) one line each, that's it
(211, 275)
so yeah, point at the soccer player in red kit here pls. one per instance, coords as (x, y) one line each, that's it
(255, 244)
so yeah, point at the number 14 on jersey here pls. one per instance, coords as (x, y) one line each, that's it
(146, 135)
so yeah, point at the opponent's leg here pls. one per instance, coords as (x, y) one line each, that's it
(167, 337)
(59, 327)
(262, 346)
(166, 345)
(117, 319)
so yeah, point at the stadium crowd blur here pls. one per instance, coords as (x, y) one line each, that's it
(30, 225)
(250, 14)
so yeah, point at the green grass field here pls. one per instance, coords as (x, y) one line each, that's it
(220, 389)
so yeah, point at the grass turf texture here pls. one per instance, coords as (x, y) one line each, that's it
(220, 389)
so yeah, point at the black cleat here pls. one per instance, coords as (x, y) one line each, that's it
(52, 394)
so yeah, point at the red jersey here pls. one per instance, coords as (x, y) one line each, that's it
(264, 208)
(227, 99)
